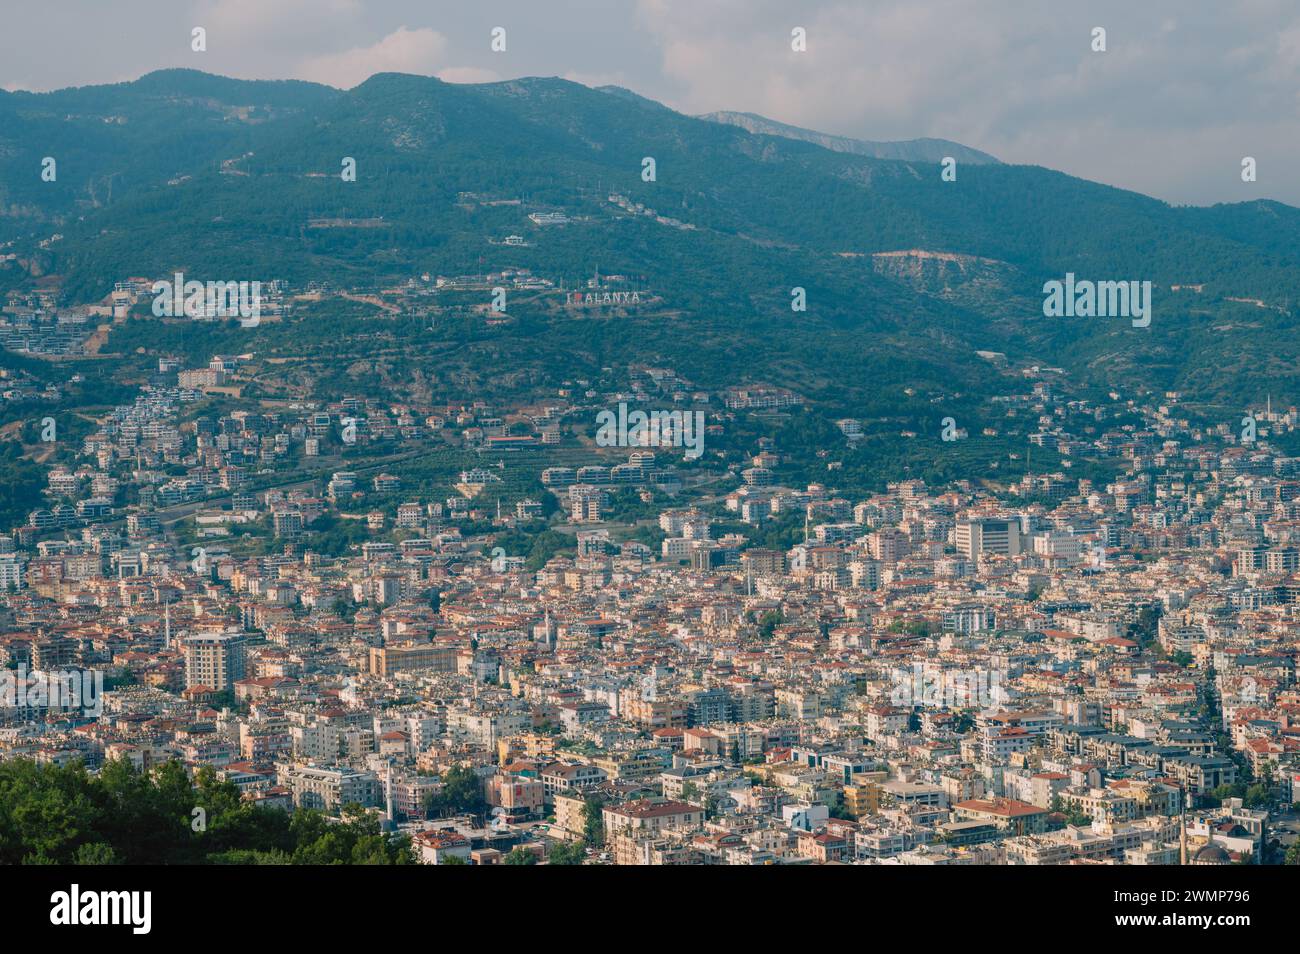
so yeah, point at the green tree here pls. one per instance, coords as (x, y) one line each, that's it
(63, 815)
(461, 792)
(567, 853)
(768, 623)
(593, 821)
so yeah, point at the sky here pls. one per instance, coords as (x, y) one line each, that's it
(1183, 92)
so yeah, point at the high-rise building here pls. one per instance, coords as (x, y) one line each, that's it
(214, 660)
(988, 535)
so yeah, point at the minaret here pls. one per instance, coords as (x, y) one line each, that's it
(546, 625)
(167, 625)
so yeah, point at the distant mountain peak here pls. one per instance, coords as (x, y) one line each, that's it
(914, 150)
(185, 80)
(626, 94)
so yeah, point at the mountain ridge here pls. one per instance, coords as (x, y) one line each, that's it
(922, 149)
(249, 166)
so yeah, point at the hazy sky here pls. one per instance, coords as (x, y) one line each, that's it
(1185, 90)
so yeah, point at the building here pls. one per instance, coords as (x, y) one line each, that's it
(215, 661)
(435, 847)
(988, 535)
(1011, 816)
(651, 816)
(329, 789)
(386, 660)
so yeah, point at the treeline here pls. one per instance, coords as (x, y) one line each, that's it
(21, 482)
(64, 815)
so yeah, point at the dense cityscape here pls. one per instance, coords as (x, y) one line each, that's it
(590, 652)
(448, 444)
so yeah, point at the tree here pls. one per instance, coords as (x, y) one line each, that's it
(1144, 629)
(711, 803)
(521, 857)
(768, 623)
(246, 857)
(461, 792)
(593, 821)
(98, 853)
(1072, 813)
(1257, 796)
(63, 815)
(356, 840)
(1224, 792)
(567, 853)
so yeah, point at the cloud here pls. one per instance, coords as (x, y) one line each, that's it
(1180, 95)
(402, 51)
(1183, 92)
(288, 22)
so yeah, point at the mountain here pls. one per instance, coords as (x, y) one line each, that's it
(112, 141)
(632, 97)
(906, 276)
(911, 150)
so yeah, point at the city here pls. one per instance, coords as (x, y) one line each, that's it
(516, 470)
